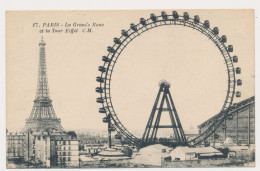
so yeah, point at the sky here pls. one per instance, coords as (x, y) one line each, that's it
(184, 57)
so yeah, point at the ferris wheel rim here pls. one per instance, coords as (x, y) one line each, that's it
(160, 21)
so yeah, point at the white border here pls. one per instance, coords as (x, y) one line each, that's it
(116, 5)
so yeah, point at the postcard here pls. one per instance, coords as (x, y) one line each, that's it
(130, 88)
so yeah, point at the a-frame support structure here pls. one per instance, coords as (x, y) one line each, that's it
(150, 133)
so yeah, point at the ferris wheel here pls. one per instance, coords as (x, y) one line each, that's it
(135, 30)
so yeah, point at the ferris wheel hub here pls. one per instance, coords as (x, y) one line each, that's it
(164, 83)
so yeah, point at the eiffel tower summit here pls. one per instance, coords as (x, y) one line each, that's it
(42, 117)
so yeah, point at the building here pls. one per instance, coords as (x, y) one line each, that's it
(41, 147)
(151, 155)
(186, 153)
(15, 146)
(239, 125)
(65, 151)
(94, 148)
(111, 154)
(51, 149)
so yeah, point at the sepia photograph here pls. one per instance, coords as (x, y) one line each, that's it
(168, 88)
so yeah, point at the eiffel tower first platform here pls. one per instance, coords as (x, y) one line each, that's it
(42, 117)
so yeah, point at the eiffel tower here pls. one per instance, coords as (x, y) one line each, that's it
(150, 133)
(42, 117)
